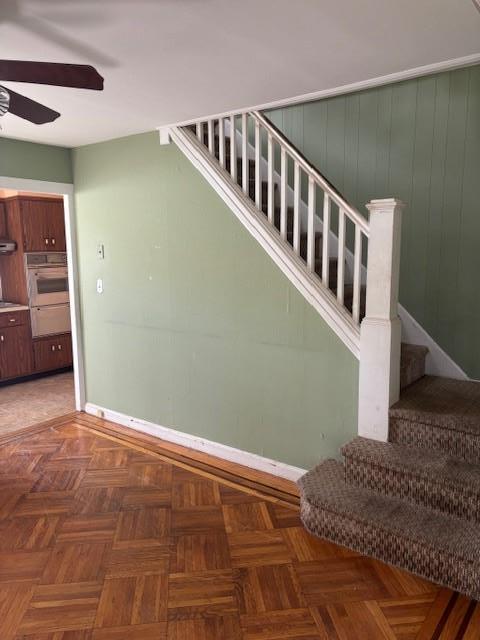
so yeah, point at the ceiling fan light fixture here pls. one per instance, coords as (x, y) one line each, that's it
(4, 101)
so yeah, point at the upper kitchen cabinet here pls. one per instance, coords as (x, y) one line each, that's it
(42, 224)
(3, 219)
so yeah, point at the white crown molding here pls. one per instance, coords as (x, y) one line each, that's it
(370, 83)
(222, 451)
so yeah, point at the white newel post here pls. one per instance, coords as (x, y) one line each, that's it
(380, 332)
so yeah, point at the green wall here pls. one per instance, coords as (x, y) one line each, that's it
(197, 329)
(417, 140)
(19, 159)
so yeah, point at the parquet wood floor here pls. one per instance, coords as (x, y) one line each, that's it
(104, 536)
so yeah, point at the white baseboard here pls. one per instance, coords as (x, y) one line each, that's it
(438, 362)
(217, 449)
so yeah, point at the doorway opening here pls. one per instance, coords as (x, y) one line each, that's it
(41, 372)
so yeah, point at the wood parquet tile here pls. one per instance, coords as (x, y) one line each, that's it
(104, 536)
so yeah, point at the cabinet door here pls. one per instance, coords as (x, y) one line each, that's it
(15, 352)
(54, 352)
(56, 226)
(3, 220)
(36, 233)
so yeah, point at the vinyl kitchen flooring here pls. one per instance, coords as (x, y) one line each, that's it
(27, 403)
(104, 536)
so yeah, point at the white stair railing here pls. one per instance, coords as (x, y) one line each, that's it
(255, 162)
(254, 130)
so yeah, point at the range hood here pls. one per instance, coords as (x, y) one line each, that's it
(7, 246)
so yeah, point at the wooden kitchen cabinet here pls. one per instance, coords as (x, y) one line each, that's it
(14, 318)
(43, 224)
(52, 352)
(56, 225)
(15, 351)
(3, 219)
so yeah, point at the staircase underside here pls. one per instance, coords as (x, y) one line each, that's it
(307, 280)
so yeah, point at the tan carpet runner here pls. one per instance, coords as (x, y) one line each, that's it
(414, 501)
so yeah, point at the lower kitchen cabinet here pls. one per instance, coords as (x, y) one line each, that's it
(52, 352)
(15, 351)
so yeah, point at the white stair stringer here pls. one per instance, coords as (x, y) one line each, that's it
(293, 267)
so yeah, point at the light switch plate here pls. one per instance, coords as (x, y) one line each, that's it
(99, 285)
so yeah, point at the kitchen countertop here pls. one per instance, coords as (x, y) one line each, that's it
(13, 307)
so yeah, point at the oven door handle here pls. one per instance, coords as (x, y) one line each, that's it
(51, 274)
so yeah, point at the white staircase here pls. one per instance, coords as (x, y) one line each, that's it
(345, 263)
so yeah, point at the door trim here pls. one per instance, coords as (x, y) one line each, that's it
(65, 190)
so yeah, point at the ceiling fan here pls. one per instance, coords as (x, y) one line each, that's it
(79, 76)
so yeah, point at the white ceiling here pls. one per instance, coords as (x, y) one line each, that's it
(167, 61)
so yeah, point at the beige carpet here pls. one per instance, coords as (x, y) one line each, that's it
(27, 403)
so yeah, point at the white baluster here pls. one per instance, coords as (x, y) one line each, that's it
(211, 141)
(296, 208)
(245, 175)
(199, 127)
(221, 141)
(326, 240)
(270, 161)
(283, 194)
(341, 256)
(233, 149)
(258, 184)
(311, 224)
(357, 263)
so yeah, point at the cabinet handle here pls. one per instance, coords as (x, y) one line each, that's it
(53, 241)
(2, 338)
(59, 347)
(12, 320)
(46, 240)
(53, 347)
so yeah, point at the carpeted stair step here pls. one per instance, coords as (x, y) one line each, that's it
(348, 298)
(433, 545)
(412, 364)
(304, 240)
(276, 219)
(428, 478)
(264, 191)
(251, 167)
(439, 414)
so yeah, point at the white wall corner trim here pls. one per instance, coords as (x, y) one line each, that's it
(223, 451)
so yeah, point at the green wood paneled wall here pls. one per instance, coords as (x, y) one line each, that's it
(419, 141)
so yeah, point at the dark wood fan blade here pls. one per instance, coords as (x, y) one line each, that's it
(30, 110)
(80, 76)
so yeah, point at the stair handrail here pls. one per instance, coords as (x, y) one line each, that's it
(309, 169)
